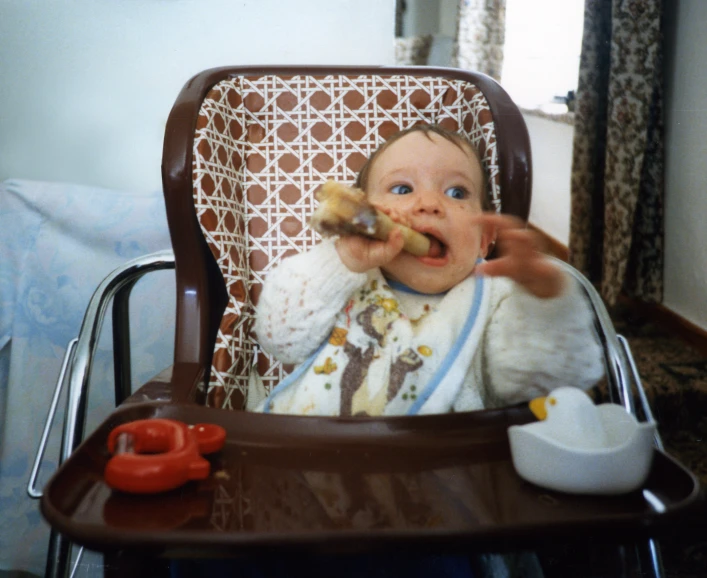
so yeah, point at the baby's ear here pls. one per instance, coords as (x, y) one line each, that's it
(488, 239)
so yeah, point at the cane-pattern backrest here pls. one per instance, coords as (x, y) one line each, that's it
(264, 145)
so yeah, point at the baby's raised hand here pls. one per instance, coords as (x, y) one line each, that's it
(519, 257)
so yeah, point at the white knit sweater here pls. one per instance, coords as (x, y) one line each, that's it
(528, 347)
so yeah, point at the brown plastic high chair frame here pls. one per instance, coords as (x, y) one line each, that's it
(264, 451)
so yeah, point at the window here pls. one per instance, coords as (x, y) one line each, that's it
(541, 55)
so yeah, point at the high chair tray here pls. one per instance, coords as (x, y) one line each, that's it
(320, 484)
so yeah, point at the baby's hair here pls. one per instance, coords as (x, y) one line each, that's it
(455, 138)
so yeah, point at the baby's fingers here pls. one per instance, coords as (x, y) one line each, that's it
(520, 259)
(385, 251)
(519, 243)
(504, 267)
(499, 222)
(540, 276)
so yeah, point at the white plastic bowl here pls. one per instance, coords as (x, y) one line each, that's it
(620, 467)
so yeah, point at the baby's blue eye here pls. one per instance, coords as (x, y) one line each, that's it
(400, 190)
(456, 192)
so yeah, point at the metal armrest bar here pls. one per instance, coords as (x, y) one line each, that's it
(79, 356)
(68, 356)
(618, 355)
(645, 405)
(80, 353)
(618, 372)
(88, 340)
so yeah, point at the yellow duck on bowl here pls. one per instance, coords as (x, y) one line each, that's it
(582, 448)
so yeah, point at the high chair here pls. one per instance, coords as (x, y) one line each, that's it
(245, 150)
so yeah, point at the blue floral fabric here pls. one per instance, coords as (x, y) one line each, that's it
(57, 242)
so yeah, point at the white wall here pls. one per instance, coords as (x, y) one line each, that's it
(551, 145)
(686, 171)
(87, 85)
(448, 17)
(543, 40)
(421, 17)
(430, 17)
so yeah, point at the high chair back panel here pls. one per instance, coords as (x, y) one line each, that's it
(264, 143)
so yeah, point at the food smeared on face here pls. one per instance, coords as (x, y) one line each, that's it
(437, 186)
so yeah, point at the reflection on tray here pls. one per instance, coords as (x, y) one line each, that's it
(261, 499)
(290, 481)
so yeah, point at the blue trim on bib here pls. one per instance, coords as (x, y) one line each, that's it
(294, 376)
(454, 352)
(398, 286)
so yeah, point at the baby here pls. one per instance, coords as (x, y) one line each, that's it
(375, 330)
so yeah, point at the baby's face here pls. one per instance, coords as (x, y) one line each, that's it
(436, 187)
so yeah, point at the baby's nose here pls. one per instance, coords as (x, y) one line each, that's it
(428, 201)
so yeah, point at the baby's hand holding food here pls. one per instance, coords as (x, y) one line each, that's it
(520, 257)
(361, 254)
(346, 211)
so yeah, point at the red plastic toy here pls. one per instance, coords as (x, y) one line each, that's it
(155, 455)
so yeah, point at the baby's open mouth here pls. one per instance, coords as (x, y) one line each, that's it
(437, 248)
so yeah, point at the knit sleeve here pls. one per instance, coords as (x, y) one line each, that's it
(300, 300)
(534, 345)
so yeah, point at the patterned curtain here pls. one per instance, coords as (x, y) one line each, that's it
(616, 228)
(481, 26)
(413, 50)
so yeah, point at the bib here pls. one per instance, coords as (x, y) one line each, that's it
(379, 361)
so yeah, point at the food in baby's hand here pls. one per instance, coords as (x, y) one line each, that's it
(344, 210)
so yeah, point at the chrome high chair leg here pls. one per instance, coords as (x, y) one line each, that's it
(59, 557)
(624, 377)
(652, 547)
(79, 357)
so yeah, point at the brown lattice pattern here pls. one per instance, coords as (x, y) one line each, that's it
(264, 145)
